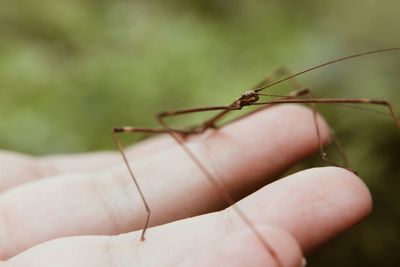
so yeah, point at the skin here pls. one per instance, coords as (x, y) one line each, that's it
(83, 210)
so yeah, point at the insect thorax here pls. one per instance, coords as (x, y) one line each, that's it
(248, 98)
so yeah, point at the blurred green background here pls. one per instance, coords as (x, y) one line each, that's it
(71, 70)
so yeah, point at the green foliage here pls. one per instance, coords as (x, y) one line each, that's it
(71, 70)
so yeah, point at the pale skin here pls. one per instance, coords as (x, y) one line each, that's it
(83, 210)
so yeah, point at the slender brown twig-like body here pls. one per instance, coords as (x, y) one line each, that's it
(250, 98)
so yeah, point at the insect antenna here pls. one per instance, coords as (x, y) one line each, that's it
(326, 64)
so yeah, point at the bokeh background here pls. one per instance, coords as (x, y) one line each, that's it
(71, 70)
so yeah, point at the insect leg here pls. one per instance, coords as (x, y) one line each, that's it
(301, 91)
(115, 133)
(334, 138)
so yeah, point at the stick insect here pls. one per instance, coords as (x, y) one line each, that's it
(252, 97)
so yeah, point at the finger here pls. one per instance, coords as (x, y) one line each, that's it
(123, 251)
(313, 205)
(17, 168)
(331, 213)
(242, 249)
(108, 203)
(97, 161)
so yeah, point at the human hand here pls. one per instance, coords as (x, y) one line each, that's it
(83, 210)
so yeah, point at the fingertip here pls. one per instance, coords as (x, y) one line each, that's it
(313, 205)
(336, 198)
(341, 186)
(350, 190)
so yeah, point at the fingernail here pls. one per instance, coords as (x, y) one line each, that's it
(303, 262)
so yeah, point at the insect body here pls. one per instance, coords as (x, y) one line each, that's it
(247, 99)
